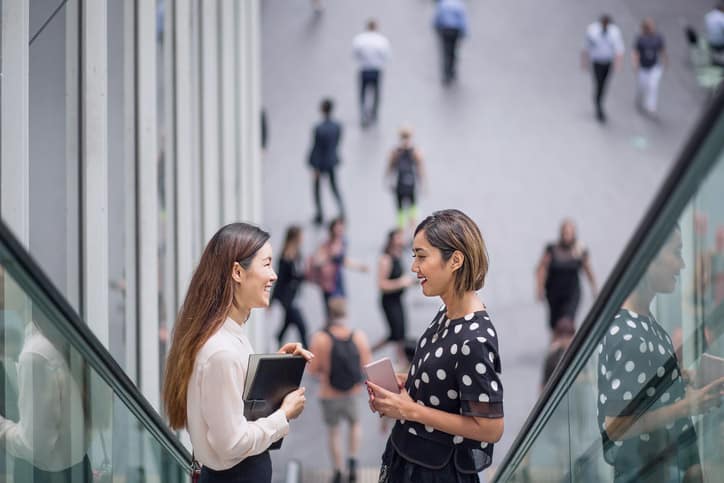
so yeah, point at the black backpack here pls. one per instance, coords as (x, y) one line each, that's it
(344, 371)
(406, 173)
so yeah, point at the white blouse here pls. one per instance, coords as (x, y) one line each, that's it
(50, 433)
(220, 434)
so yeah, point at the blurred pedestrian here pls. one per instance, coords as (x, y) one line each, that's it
(340, 353)
(449, 409)
(327, 265)
(407, 164)
(290, 273)
(451, 23)
(714, 21)
(323, 157)
(557, 276)
(648, 56)
(603, 51)
(371, 50)
(392, 284)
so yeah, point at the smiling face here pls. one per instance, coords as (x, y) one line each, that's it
(253, 285)
(435, 275)
(664, 271)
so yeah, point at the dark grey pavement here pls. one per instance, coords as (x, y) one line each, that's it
(513, 143)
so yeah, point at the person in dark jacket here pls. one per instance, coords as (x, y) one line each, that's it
(291, 275)
(324, 158)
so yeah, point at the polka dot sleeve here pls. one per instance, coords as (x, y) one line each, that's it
(481, 392)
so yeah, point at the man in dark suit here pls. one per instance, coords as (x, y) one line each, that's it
(323, 157)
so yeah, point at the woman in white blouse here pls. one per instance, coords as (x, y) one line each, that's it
(207, 362)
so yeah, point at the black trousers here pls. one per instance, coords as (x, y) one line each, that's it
(293, 316)
(255, 469)
(449, 39)
(369, 81)
(600, 79)
(335, 191)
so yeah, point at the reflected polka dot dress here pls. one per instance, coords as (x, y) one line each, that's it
(638, 372)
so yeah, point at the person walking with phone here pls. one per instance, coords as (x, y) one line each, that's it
(449, 410)
(207, 362)
(340, 354)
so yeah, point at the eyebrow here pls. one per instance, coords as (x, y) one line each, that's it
(416, 250)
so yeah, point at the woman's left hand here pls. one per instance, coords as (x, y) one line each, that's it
(386, 403)
(296, 349)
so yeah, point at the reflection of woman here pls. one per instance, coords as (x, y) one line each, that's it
(392, 284)
(557, 275)
(291, 276)
(450, 408)
(207, 363)
(52, 428)
(644, 407)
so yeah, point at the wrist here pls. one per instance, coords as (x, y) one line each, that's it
(411, 411)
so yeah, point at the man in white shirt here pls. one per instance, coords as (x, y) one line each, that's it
(371, 50)
(603, 49)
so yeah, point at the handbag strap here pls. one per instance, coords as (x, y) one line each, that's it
(195, 468)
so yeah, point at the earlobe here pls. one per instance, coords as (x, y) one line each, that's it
(457, 260)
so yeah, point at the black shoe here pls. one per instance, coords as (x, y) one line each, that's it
(352, 467)
(318, 220)
(601, 116)
(337, 478)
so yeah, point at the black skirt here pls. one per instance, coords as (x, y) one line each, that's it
(254, 469)
(396, 469)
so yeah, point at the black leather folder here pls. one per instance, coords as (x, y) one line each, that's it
(269, 378)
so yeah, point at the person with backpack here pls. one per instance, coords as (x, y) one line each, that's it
(340, 353)
(407, 165)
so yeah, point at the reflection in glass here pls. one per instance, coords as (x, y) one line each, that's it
(644, 403)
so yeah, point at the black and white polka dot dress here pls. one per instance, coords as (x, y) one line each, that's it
(455, 369)
(638, 372)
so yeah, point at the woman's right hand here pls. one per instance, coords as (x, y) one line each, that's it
(293, 403)
(699, 401)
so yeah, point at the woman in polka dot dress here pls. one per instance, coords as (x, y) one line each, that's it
(644, 405)
(450, 408)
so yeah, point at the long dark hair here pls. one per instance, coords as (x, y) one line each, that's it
(292, 235)
(209, 297)
(388, 244)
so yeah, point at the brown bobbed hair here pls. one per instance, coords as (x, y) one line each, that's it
(207, 303)
(450, 231)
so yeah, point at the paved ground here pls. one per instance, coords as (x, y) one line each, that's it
(513, 144)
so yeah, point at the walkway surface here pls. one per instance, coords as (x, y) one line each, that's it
(513, 144)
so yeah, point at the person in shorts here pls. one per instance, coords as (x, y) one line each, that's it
(340, 352)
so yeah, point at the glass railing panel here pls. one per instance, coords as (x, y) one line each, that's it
(60, 420)
(548, 459)
(640, 393)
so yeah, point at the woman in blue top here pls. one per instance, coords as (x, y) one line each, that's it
(449, 411)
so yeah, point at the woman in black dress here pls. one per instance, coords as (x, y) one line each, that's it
(291, 275)
(392, 284)
(557, 275)
(644, 403)
(449, 410)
